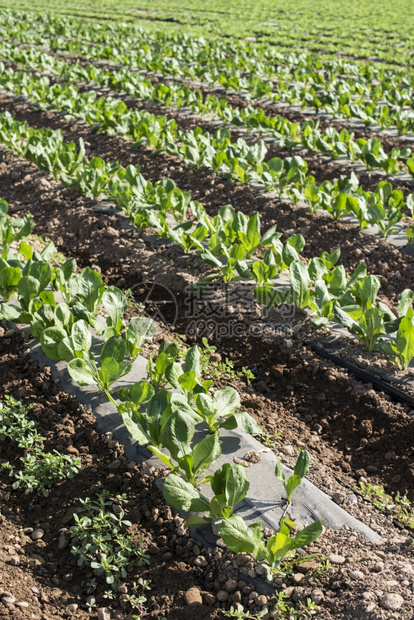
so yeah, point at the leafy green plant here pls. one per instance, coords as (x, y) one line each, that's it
(41, 470)
(243, 538)
(300, 471)
(241, 614)
(113, 366)
(98, 539)
(400, 506)
(229, 485)
(401, 350)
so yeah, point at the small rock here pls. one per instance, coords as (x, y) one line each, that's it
(336, 559)
(222, 596)
(200, 561)
(63, 541)
(209, 598)
(15, 560)
(338, 498)
(393, 602)
(72, 608)
(8, 599)
(231, 585)
(317, 596)
(37, 534)
(103, 614)
(305, 567)
(116, 464)
(288, 450)
(36, 560)
(22, 604)
(297, 577)
(261, 600)
(68, 516)
(15, 175)
(260, 570)
(193, 596)
(356, 575)
(112, 232)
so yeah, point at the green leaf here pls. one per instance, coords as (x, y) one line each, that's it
(177, 434)
(82, 371)
(308, 534)
(89, 288)
(113, 349)
(184, 496)
(193, 361)
(292, 484)
(206, 452)
(81, 336)
(239, 537)
(141, 392)
(302, 464)
(50, 339)
(136, 430)
(236, 486)
(115, 303)
(246, 423)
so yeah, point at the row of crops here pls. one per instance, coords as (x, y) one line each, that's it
(230, 243)
(381, 35)
(344, 88)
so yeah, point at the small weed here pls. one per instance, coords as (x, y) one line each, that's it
(98, 539)
(270, 439)
(41, 470)
(215, 369)
(400, 507)
(241, 614)
(284, 609)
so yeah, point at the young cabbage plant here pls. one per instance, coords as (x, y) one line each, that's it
(229, 485)
(300, 471)
(86, 291)
(401, 350)
(385, 208)
(190, 462)
(58, 344)
(243, 538)
(188, 379)
(113, 366)
(12, 230)
(369, 324)
(139, 330)
(36, 276)
(157, 364)
(62, 279)
(220, 411)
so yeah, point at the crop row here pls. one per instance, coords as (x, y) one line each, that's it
(342, 88)
(230, 242)
(165, 422)
(286, 134)
(237, 160)
(380, 33)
